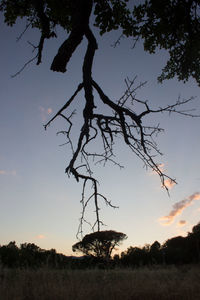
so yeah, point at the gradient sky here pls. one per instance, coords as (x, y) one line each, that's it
(38, 203)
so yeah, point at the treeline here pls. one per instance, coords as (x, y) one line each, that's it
(29, 255)
(178, 250)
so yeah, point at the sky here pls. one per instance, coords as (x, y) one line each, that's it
(38, 202)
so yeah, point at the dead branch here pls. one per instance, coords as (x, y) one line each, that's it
(123, 122)
(24, 66)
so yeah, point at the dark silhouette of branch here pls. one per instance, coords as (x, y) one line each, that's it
(80, 21)
(80, 86)
(123, 121)
(45, 27)
(124, 118)
(24, 66)
(23, 32)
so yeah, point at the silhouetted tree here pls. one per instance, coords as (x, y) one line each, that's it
(176, 250)
(134, 256)
(116, 260)
(99, 244)
(155, 253)
(172, 25)
(31, 256)
(194, 243)
(196, 229)
(98, 247)
(9, 255)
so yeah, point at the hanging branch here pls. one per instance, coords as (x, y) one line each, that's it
(123, 121)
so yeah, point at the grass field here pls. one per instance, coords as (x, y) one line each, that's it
(145, 284)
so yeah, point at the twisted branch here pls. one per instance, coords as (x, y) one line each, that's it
(123, 121)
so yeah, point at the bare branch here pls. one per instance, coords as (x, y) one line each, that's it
(23, 32)
(123, 121)
(24, 66)
(80, 86)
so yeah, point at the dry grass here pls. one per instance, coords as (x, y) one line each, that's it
(161, 283)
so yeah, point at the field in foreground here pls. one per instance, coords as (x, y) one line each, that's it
(157, 283)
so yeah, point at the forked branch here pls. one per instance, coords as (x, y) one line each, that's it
(122, 121)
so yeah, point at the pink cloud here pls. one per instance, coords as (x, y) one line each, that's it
(169, 183)
(49, 110)
(44, 112)
(178, 208)
(40, 236)
(181, 223)
(4, 172)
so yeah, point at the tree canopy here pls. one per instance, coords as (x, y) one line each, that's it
(99, 244)
(175, 27)
(170, 25)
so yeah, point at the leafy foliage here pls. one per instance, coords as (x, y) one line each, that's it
(113, 15)
(173, 26)
(168, 24)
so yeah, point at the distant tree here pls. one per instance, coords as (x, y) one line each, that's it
(172, 25)
(31, 255)
(155, 253)
(134, 257)
(176, 250)
(196, 229)
(99, 244)
(116, 259)
(194, 243)
(155, 246)
(9, 255)
(51, 258)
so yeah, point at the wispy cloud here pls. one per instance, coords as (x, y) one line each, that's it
(44, 112)
(169, 183)
(5, 172)
(182, 223)
(40, 236)
(49, 110)
(178, 208)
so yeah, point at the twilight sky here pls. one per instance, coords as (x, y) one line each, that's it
(38, 202)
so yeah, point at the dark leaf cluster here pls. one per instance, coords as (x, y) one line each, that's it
(175, 27)
(168, 24)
